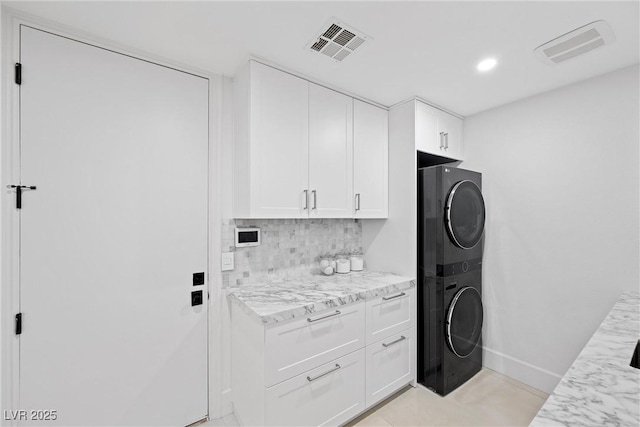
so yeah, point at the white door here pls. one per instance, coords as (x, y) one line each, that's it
(111, 237)
(370, 160)
(330, 153)
(279, 143)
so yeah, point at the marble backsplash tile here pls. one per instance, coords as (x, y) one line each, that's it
(289, 246)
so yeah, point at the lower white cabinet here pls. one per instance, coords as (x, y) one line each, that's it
(325, 368)
(390, 365)
(311, 341)
(331, 394)
(389, 314)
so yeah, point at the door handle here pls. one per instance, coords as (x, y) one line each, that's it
(313, 193)
(19, 190)
(401, 294)
(306, 200)
(402, 338)
(441, 140)
(326, 373)
(357, 201)
(324, 317)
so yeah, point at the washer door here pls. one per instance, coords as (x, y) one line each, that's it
(465, 214)
(464, 322)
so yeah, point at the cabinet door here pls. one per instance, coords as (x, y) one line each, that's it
(428, 139)
(370, 160)
(330, 153)
(279, 148)
(389, 314)
(328, 395)
(451, 129)
(303, 343)
(389, 365)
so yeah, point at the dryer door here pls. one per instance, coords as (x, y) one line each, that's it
(464, 322)
(464, 214)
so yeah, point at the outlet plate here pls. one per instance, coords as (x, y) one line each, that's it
(227, 261)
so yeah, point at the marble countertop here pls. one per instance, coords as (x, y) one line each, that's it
(277, 300)
(600, 388)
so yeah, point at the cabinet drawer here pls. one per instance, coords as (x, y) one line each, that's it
(389, 365)
(328, 395)
(390, 314)
(302, 344)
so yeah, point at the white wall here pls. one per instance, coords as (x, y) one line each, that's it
(560, 180)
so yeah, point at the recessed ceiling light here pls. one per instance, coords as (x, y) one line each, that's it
(486, 64)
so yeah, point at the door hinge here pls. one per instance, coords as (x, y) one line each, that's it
(18, 73)
(18, 323)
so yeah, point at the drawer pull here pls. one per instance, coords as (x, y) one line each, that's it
(401, 294)
(323, 317)
(326, 373)
(402, 338)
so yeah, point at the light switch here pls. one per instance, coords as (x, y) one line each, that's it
(227, 261)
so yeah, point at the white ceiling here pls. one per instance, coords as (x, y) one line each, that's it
(425, 49)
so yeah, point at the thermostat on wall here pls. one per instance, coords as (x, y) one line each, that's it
(247, 237)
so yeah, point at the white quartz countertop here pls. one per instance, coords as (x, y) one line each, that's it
(600, 388)
(277, 300)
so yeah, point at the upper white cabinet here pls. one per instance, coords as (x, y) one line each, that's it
(271, 143)
(330, 153)
(294, 154)
(438, 132)
(370, 160)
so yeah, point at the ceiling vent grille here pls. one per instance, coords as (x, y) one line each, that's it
(337, 40)
(575, 43)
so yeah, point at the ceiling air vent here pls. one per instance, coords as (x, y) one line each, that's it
(337, 40)
(575, 43)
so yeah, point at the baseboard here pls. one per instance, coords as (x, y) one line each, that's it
(531, 375)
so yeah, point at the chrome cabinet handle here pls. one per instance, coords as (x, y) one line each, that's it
(402, 338)
(315, 200)
(357, 201)
(306, 200)
(401, 294)
(322, 375)
(441, 140)
(323, 317)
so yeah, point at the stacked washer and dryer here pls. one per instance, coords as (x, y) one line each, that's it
(451, 216)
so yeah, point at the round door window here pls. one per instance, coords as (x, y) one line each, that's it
(465, 214)
(464, 322)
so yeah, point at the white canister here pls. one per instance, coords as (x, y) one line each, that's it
(357, 262)
(343, 266)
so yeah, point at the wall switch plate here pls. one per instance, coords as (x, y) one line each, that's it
(227, 261)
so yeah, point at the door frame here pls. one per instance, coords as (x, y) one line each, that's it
(10, 22)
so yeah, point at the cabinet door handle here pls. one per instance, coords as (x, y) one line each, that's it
(324, 317)
(441, 140)
(357, 201)
(315, 199)
(306, 200)
(401, 294)
(402, 338)
(446, 141)
(326, 373)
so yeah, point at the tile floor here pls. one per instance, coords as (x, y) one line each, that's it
(487, 399)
